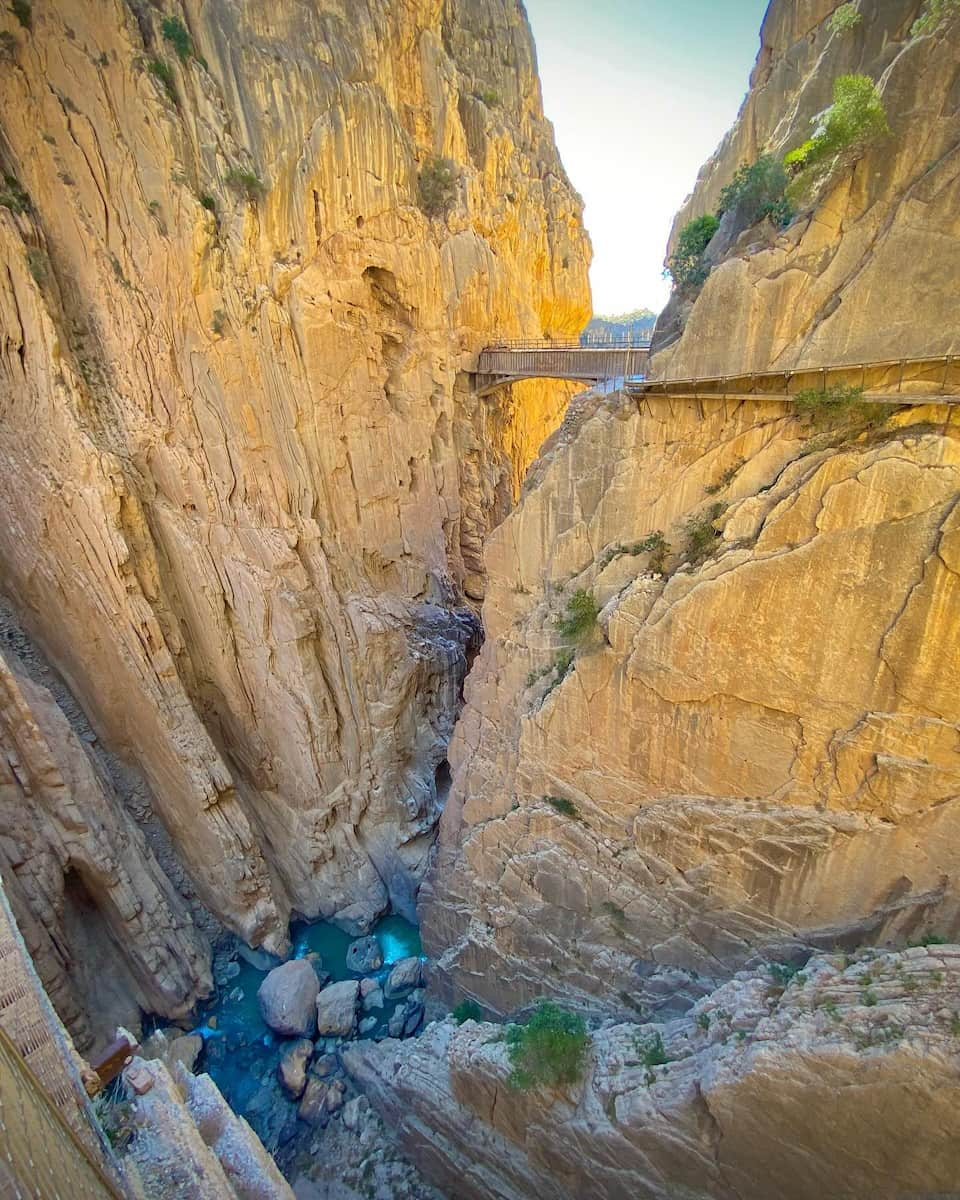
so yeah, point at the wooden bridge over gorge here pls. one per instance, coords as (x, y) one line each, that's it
(585, 360)
(911, 381)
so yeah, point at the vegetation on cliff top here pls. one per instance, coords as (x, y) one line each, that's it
(549, 1049)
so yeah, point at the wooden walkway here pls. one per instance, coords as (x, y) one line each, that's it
(928, 380)
(894, 381)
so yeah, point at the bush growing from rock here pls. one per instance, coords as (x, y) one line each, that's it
(175, 32)
(840, 404)
(854, 119)
(702, 533)
(23, 11)
(247, 183)
(565, 807)
(581, 615)
(757, 191)
(13, 196)
(161, 70)
(467, 1010)
(846, 17)
(650, 1050)
(437, 186)
(550, 1049)
(934, 13)
(686, 265)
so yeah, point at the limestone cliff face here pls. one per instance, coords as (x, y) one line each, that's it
(795, 1093)
(757, 749)
(244, 485)
(760, 751)
(867, 271)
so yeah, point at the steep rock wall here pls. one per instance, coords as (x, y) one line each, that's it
(244, 484)
(757, 749)
(752, 753)
(866, 271)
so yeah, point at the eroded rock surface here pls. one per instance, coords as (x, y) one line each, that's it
(844, 1083)
(107, 932)
(756, 751)
(244, 484)
(756, 748)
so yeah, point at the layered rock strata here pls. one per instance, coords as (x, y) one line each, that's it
(244, 482)
(756, 748)
(750, 752)
(107, 932)
(842, 1083)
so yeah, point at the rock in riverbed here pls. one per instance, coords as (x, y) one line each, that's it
(288, 999)
(321, 1100)
(292, 1071)
(364, 955)
(406, 975)
(337, 1008)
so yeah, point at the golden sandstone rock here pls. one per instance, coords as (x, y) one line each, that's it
(244, 484)
(757, 751)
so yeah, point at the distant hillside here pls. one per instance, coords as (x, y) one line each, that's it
(621, 325)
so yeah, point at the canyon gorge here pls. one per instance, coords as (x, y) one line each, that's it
(285, 607)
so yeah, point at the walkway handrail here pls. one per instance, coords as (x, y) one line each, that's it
(630, 342)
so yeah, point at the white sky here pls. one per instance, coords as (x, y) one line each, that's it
(640, 93)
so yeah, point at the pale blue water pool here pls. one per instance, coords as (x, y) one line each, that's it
(241, 1053)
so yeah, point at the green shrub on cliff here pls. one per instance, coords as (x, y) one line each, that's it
(828, 408)
(686, 265)
(13, 196)
(23, 11)
(437, 186)
(467, 1010)
(757, 191)
(934, 13)
(702, 533)
(176, 33)
(247, 183)
(550, 1049)
(580, 617)
(854, 119)
(846, 17)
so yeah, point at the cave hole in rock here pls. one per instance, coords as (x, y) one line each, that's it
(442, 780)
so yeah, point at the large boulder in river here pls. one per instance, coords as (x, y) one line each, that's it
(364, 955)
(337, 1009)
(407, 974)
(288, 999)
